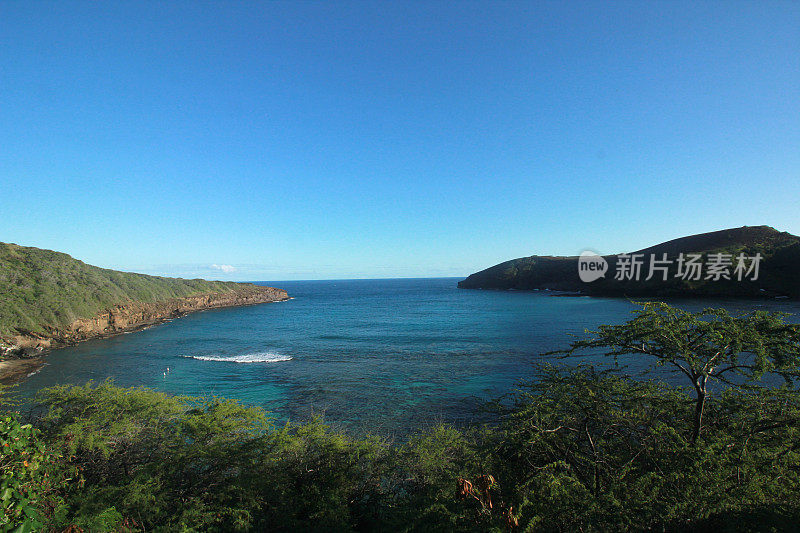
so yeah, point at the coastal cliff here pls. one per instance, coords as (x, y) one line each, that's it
(49, 299)
(133, 316)
(778, 274)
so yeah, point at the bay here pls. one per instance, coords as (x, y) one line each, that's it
(384, 356)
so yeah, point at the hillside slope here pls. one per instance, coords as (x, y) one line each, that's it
(779, 270)
(48, 298)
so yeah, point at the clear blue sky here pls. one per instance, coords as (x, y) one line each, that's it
(311, 140)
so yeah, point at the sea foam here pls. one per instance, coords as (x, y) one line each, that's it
(258, 357)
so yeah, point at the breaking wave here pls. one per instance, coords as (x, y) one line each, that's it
(258, 357)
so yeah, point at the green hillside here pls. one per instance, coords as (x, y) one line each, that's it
(779, 273)
(42, 289)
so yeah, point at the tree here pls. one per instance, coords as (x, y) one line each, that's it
(28, 490)
(576, 448)
(708, 345)
(154, 462)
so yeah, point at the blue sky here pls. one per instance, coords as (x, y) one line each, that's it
(312, 140)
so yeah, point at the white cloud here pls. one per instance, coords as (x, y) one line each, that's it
(224, 268)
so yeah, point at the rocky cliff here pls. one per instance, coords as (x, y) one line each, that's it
(134, 316)
(48, 299)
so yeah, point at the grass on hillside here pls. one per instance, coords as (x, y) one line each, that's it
(44, 289)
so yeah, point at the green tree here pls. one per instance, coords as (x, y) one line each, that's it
(708, 345)
(28, 490)
(575, 449)
(150, 460)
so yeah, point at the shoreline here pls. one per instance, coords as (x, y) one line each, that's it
(29, 354)
(14, 371)
(561, 293)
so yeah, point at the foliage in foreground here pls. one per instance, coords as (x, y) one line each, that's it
(705, 347)
(25, 489)
(574, 449)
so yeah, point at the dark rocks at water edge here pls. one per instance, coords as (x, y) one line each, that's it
(778, 276)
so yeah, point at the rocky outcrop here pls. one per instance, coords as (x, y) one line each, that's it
(133, 316)
(778, 277)
(49, 299)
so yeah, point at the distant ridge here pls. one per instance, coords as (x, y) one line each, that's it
(49, 299)
(779, 271)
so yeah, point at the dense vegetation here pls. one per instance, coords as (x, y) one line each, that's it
(780, 252)
(574, 449)
(43, 289)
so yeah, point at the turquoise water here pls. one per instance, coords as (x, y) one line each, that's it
(370, 355)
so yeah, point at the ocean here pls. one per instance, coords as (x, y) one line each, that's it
(385, 356)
